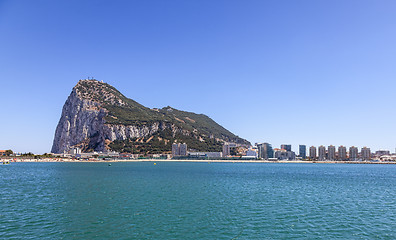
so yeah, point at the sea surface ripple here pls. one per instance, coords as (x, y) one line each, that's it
(177, 200)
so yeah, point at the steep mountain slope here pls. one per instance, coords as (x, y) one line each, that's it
(97, 117)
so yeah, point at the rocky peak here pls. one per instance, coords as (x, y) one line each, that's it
(98, 91)
(97, 117)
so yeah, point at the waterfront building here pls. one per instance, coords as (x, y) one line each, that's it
(302, 151)
(227, 147)
(342, 153)
(179, 149)
(268, 150)
(175, 149)
(260, 150)
(366, 153)
(286, 147)
(388, 158)
(322, 152)
(291, 155)
(331, 152)
(380, 153)
(283, 154)
(265, 151)
(74, 150)
(251, 153)
(205, 154)
(226, 150)
(183, 149)
(2, 152)
(280, 154)
(353, 153)
(312, 153)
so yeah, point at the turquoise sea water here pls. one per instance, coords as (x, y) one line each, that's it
(175, 200)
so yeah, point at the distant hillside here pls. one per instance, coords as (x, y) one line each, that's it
(97, 117)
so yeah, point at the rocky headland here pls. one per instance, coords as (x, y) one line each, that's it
(97, 117)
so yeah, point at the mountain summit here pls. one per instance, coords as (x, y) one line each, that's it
(97, 117)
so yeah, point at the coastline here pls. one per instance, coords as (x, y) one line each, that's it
(53, 160)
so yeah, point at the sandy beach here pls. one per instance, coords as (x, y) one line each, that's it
(186, 160)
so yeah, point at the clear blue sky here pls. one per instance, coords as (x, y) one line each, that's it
(297, 72)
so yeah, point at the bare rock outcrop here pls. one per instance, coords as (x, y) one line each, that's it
(96, 114)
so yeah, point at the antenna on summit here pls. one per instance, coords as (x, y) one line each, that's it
(91, 78)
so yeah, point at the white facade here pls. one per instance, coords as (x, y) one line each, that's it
(179, 149)
(366, 153)
(353, 153)
(206, 154)
(322, 152)
(226, 150)
(251, 153)
(312, 152)
(342, 154)
(331, 152)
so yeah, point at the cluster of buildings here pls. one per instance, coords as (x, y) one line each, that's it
(263, 151)
(179, 150)
(331, 153)
(321, 153)
(76, 152)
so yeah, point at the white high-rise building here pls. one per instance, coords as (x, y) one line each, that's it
(322, 152)
(366, 153)
(353, 153)
(312, 152)
(226, 150)
(342, 153)
(179, 149)
(331, 152)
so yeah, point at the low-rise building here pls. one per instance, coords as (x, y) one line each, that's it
(206, 154)
(380, 153)
(283, 154)
(280, 154)
(74, 150)
(388, 158)
(251, 153)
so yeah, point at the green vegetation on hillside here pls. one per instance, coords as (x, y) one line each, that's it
(161, 142)
(205, 134)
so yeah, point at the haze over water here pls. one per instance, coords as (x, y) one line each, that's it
(175, 200)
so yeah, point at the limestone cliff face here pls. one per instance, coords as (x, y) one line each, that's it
(83, 124)
(123, 132)
(80, 119)
(96, 114)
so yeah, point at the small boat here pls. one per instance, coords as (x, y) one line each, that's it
(6, 162)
